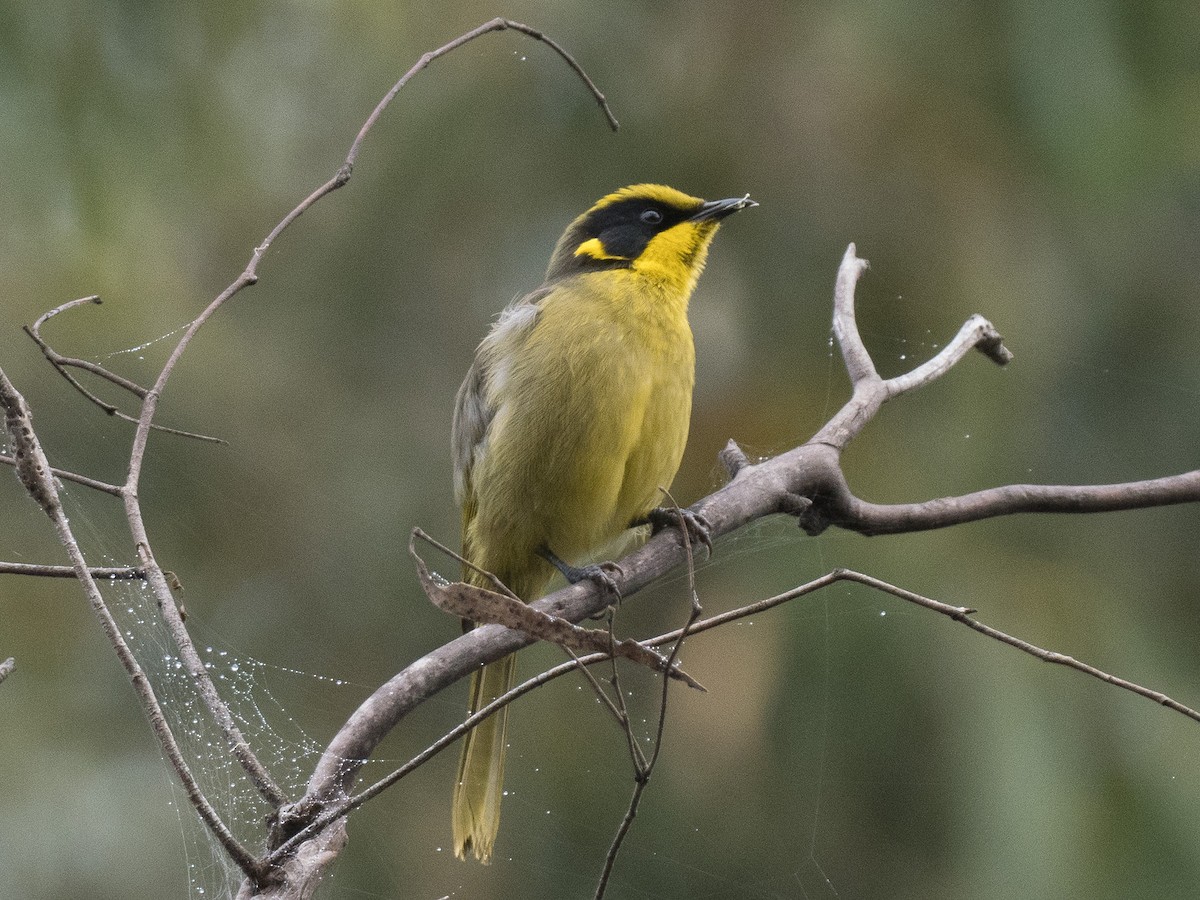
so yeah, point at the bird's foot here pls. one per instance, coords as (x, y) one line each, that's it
(603, 574)
(695, 526)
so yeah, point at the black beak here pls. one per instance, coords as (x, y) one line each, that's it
(719, 209)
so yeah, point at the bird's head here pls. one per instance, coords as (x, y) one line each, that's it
(651, 229)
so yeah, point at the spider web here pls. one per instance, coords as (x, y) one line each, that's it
(249, 687)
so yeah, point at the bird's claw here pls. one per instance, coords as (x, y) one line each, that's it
(603, 574)
(696, 527)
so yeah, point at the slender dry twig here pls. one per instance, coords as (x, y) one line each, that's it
(960, 614)
(618, 697)
(643, 767)
(172, 618)
(594, 683)
(964, 616)
(174, 621)
(433, 542)
(150, 398)
(71, 476)
(696, 611)
(483, 607)
(34, 472)
(62, 363)
(112, 573)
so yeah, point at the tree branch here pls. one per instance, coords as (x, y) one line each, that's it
(113, 573)
(61, 364)
(853, 514)
(102, 486)
(806, 482)
(484, 607)
(34, 472)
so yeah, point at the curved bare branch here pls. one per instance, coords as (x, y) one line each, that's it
(806, 481)
(871, 518)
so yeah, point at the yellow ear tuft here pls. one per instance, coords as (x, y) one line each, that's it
(594, 248)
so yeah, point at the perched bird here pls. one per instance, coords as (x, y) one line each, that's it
(573, 415)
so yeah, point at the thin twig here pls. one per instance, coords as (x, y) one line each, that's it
(104, 486)
(112, 573)
(475, 604)
(977, 333)
(964, 616)
(338, 810)
(960, 614)
(696, 611)
(34, 472)
(614, 679)
(61, 363)
(597, 688)
(173, 617)
(643, 767)
(500, 586)
(249, 276)
(497, 24)
(342, 808)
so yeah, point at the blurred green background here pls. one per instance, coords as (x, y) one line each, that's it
(1038, 163)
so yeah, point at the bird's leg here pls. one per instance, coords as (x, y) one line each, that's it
(696, 527)
(600, 574)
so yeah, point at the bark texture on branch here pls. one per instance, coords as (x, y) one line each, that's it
(308, 834)
(806, 482)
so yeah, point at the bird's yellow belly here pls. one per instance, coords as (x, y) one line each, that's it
(588, 430)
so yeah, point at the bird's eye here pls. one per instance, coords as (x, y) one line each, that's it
(652, 217)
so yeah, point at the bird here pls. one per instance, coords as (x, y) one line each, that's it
(571, 420)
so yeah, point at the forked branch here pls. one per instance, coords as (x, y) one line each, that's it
(38, 476)
(34, 472)
(806, 481)
(62, 363)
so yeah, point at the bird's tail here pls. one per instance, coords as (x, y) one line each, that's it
(476, 811)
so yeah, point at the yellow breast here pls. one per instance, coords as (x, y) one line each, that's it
(591, 418)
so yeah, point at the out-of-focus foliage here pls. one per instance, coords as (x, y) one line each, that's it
(1038, 163)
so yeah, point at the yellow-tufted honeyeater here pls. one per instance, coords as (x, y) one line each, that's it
(573, 415)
